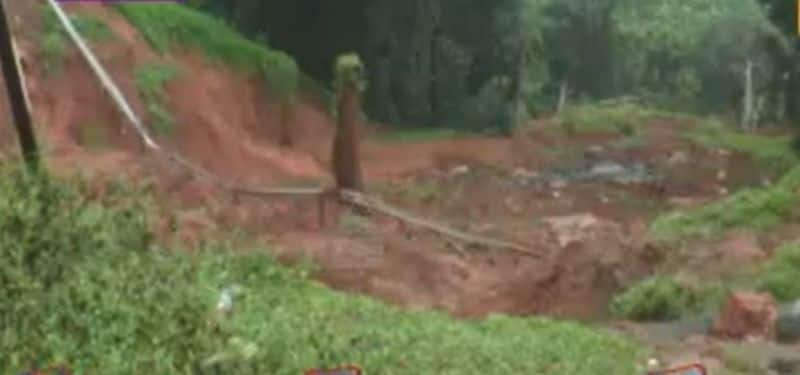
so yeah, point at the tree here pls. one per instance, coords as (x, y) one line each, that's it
(349, 84)
(782, 14)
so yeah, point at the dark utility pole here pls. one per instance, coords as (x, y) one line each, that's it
(16, 94)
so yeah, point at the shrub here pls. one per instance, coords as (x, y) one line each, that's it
(781, 275)
(617, 118)
(758, 209)
(775, 152)
(663, 298)
(83, 283)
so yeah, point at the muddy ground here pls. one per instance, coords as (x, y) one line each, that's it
(584, 202)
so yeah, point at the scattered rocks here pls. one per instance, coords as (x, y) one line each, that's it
(748, 316)
(581, 228)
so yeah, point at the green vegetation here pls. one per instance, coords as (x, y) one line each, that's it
(776, 152)
(150, 80)
(83, 282)
(781, 274)
(597, 118)
(54, 42)
(664, 298)
(740, 360)
(419, 134)
(92, 28)
(758, 209)
(170, 27)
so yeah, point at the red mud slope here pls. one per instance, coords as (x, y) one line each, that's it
(225, 121)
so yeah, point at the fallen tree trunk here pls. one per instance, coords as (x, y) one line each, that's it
(374, 204)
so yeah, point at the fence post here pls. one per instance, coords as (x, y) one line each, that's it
(16, 94)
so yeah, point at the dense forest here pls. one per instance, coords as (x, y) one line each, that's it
(479, 64)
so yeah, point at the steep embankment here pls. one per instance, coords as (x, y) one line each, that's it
(223, 119)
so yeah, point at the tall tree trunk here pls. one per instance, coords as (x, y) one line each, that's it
(748, 101)
(563, 93)
(346, 152)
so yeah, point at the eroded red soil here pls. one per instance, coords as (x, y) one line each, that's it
(592, 234)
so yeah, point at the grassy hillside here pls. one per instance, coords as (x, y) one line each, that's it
(84, 283)
(172, 27)
(759, 209)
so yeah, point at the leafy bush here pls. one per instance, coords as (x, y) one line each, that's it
(781, 275)
(775, 152)
(489, 110)
(168, 27)
(663, 298)
(82, 282)
(758, 209)
(150, 80)
(622, 118)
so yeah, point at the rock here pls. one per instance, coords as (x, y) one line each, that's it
(789, 324)
(459, 171)
(785, 366)
(558, 184)
(722, 174)
(573, 228)
(607, 169)
(594, 152)
(513, 206)
(678, 157)
(524, 174)
(748, 316)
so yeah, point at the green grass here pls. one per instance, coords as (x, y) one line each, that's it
(775, 152)
(83, 282)
(54, 43)
(780, 276)
(418, 135)
(150, 80)
(173, 27)
(758, 209)
(93, 28)
(596, 118)
(664, 298)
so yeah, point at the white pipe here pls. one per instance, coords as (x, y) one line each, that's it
(105, 79)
